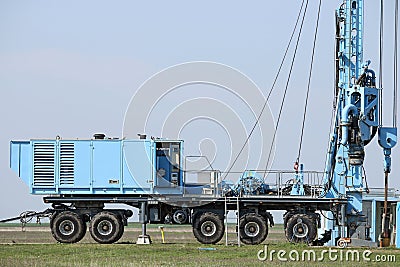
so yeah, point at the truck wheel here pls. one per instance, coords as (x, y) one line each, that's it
(301, 228)
(67, 227)
(106, 228)
(180, 217)
(253, 229)
(208, 228)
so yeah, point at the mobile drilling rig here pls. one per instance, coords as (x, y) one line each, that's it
(79, 177)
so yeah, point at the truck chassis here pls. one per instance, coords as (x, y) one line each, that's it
(70, 215)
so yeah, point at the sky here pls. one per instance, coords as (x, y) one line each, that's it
(70, 68)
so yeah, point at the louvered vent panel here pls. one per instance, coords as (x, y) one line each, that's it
(43, 164)
(67, 166)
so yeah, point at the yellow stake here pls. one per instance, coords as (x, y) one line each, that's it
(162, 233)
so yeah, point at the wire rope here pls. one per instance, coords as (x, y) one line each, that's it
(270, 92)
(309, 83)
(286, 87)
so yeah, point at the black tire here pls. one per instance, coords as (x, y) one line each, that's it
(253, 229)
(67, 227)
(301, 228)
(106, 228)
(286, 218)
(121, 231)
(208, 228)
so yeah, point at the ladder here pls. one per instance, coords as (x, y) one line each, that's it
(237, 220)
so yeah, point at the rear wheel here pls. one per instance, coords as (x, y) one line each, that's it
(301, 228)
(68, 227)
(253, 229)
(106, 228)
(208, 228)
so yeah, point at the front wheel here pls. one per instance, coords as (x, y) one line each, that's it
(253, 229)
(67, 227)
(208, 228)
(301, 228)
(106, 228)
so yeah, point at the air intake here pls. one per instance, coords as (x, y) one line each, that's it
(43, 164)
(67, 164)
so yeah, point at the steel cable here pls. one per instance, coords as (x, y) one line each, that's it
(286, 88)
(270, 92)
(309, 83)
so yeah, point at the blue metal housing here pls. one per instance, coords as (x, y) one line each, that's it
(109, 166)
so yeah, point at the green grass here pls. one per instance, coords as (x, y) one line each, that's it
(153, 255)
(36, 247)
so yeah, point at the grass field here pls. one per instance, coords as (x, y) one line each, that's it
(36, 247)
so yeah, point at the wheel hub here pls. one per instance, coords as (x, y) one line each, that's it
(66, 227)
(251, 229)
(300, 229)
(105, 227)
(208, 228)
(179, 216)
